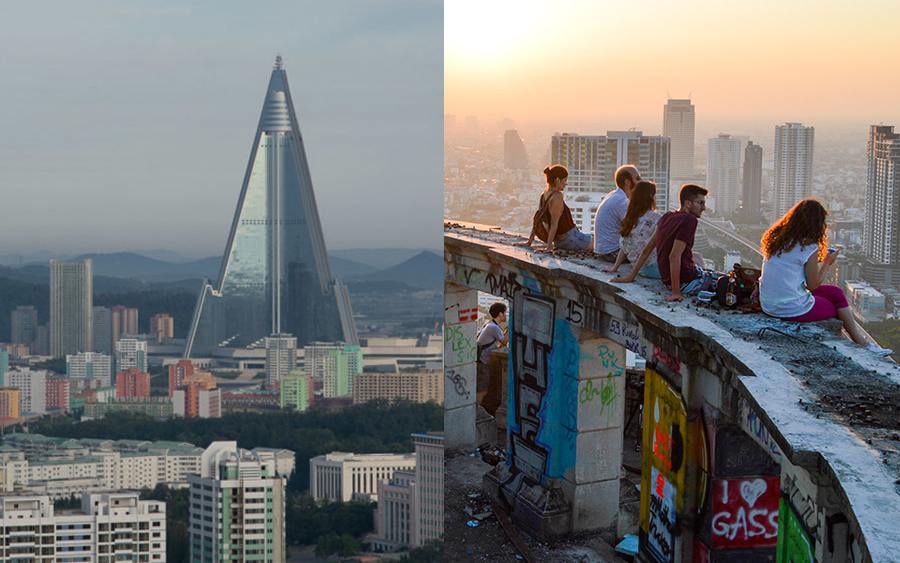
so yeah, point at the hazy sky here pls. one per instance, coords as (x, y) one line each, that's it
(614, 63)
(128, 125)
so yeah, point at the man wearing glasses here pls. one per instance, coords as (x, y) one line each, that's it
(675, 243)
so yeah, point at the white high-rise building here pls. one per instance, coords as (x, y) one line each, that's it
(109, 527)
(92, 365)
(71, 300)
(32, 386)
(131, 353)
(592, 161)
(723, 173)
(882, 225)
(678, 125)
(794, 145)
(411, 505)
(237, 507)
(281, 356)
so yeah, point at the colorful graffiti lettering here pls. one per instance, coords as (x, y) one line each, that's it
(665, 429)
(661, 517)
(607, 393)
(458, 347)
(609, 360)
(794, 544)
(629, 336)
(532, 341)
(745, 512)
(670, 361)
(752, 425)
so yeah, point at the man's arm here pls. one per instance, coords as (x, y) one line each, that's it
(678, 247)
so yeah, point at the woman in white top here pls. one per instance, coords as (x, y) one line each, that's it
(791, 285)
(638, 227)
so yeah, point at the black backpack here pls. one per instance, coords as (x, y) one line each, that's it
(739, 289)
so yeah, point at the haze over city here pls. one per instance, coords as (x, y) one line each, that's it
(598, 66)
(128, 127)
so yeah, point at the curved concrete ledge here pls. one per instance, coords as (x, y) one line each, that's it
(744, 430)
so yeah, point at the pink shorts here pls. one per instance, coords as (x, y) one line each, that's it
(829, 298)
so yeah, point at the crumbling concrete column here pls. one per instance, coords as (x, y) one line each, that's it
(565, 414)
(460, 330)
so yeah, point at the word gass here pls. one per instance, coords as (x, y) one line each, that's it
(661, 531)
(745, 512)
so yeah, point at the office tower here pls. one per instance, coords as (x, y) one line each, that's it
(162, 326)
(177, 373)
(723, 172)
(881, 229)
(132, 384)
(411, 505)
(281, 356)
(107, 527)
(23, 325)
(124, 321)
(592, 161)
(32, 386)
(678, 125)
(275, 277)
(131, 353)
(339, 369)
(514, 156)
(296, 391)
(71, 299)
(9, 402)
(90, 365)
(102, 330)
(752, 184)
(341, 476)
(4, 366)
(237, 511)
(794, 146)
(42, 341)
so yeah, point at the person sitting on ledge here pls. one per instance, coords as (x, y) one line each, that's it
(562, 231)
(638, 226)
(611, 213)
(791, 285)
(679, 266)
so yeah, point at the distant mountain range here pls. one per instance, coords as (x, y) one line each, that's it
(129, 271)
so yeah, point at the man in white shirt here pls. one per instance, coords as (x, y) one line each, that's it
(608, 221)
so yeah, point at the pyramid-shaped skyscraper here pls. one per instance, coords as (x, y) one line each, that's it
(275, 277)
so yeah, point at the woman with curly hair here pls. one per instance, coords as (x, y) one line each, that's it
(791, 285)
(638, 227)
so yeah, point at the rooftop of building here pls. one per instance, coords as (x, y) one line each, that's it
(833, 403)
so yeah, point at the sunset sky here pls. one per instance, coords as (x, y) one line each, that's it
(613, 64)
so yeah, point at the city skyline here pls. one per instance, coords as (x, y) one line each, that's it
(588, 67)
(128, 127)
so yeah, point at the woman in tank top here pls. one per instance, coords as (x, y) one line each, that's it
(563, 233)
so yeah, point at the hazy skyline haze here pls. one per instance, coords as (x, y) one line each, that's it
(612, 65)
(129, 126)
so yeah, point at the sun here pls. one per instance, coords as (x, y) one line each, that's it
(489, 32)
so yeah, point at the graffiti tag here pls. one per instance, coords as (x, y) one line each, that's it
(670, 361)
(745, 512)
(458, 348)
(457, 383)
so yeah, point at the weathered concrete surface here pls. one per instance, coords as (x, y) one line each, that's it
(804, 401)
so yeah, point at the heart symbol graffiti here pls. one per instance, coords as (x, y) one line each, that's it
(752, 490)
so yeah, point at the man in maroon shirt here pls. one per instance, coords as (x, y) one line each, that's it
(675, 241)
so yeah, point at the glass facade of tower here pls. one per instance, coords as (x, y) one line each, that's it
(274, 276)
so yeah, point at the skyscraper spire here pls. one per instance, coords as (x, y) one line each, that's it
(275, 277)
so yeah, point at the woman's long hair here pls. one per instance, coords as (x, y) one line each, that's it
(641, 202)
(804, 224)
